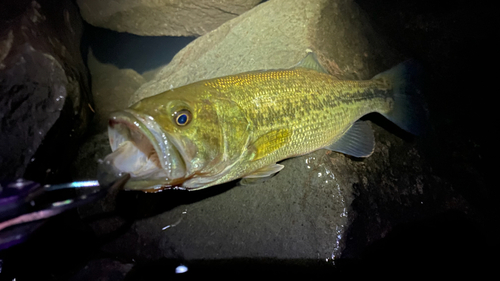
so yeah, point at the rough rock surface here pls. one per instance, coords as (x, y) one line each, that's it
(300, 213)
(165, 17)
(111, 89)
(44, 91)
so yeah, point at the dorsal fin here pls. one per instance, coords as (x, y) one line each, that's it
(311, 62)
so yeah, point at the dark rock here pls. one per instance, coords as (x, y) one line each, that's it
(103, 270)
(45, 102)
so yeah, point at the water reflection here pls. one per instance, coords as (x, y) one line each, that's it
(322, 178)
(177, 222)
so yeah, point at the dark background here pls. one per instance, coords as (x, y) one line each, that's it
(126, 50)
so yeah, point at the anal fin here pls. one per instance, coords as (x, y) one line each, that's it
(358, 141)
(266, 171)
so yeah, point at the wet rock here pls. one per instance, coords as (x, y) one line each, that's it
(44, 91)
(300, 213)
(93, 149)
(156, 18)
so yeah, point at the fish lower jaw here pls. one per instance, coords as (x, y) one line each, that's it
(145, 172)
(148, 180)
(127, 158)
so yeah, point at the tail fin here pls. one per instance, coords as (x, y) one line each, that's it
(409, 111)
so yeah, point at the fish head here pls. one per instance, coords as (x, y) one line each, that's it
(165, 140)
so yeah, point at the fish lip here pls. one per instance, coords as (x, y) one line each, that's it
(165, 146)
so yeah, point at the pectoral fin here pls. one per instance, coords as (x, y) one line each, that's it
(265, 171)
(358, 141)
(269, 143)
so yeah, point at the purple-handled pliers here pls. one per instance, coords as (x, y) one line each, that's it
(24, 205)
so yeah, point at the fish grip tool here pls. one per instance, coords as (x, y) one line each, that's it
(25, 205)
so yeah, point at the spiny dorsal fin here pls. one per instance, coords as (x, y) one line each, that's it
(358, 141)
(311, 62)
(270, 142)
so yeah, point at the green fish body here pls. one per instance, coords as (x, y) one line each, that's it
(239, 126)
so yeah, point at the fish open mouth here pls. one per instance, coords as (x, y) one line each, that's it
(142, 149)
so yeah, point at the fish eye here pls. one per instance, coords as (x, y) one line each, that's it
(182, 117)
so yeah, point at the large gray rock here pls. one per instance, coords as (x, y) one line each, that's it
(275, 35)
(165, 17)
(44, 92)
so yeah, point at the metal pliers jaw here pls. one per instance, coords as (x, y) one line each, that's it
(25, 205)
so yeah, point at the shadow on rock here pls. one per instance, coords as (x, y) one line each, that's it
(137, 204)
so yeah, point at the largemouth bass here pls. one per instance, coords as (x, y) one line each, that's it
(239, 126)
